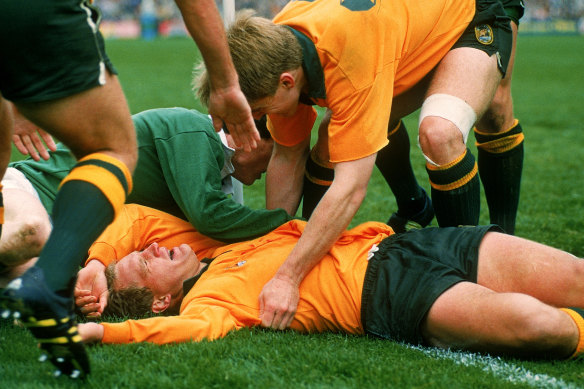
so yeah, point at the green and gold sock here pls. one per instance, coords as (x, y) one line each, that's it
(87, 202)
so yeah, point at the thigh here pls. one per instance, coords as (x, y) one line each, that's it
(468, 74)
(471, 317)
(6, 125)
(512, 264)
(94, 120)
(473, 69)
(410, 271)
(499, 116)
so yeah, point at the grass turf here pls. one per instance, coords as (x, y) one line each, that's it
(548, 85)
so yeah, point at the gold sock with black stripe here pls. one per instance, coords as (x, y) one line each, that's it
(456, 191)
(500, 161)
(87, 202)
(318, 177)
(577, 314)
(393, 162)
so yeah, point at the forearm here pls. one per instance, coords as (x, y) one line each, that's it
(204, 23)
(330, 218)
(207, 324)
(284, 180)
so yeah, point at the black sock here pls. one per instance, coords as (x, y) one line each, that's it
(393, 161)
(500, 161)
(317, 180)
(456, 191)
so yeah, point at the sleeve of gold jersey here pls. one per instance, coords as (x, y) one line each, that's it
(137, 226)
(207, 323)
(358, 126)
(289, 131)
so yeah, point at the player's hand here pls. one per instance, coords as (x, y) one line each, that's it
(27, 138)
(230, 106)
(90, 332)
(91, 291)
(278, 303)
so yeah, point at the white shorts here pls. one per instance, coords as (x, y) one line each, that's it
(14, 179)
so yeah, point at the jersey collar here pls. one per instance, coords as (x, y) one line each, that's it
(312, 68)
(190, 282)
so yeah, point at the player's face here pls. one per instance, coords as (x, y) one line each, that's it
(158, 269)
(284, 103)
(249, 166)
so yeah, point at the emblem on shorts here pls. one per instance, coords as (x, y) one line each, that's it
(484, 34)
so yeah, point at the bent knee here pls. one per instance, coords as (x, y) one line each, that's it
(36, 232)
(25, 241)
(440, 140)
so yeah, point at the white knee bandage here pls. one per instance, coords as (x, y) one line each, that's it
(451, 108)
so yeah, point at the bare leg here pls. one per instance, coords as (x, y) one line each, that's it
(97, 126)
(453, 172)
(461, 73)
(472, 317)
(512, 264)
(97, 120)
(26, 228)
(6, 125)
(500, 152)
(6, 128)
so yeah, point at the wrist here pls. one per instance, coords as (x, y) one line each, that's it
(95, 263)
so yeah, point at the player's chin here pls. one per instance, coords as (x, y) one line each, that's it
(182, 253)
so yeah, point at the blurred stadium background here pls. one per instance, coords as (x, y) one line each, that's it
(160, 18)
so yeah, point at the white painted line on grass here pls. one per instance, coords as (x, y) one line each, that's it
(499, 368)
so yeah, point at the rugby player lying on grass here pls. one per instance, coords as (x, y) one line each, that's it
(469, 288)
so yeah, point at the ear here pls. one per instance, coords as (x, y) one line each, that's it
(287, 80)
(161, 303)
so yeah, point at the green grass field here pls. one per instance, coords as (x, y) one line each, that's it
(548, 89)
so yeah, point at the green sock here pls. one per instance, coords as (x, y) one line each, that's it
(86, 203)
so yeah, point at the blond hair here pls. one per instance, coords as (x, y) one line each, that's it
(128, 302)
(261, 51)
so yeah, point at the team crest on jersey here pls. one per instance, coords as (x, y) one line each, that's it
(484, 34)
